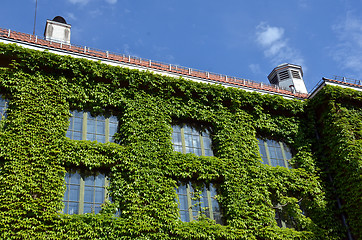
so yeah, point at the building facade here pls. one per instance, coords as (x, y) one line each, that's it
(107, 150)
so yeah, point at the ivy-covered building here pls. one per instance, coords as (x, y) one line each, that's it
(96, 145)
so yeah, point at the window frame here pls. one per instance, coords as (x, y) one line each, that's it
(201, 130)
(209, 212)
(84, 131)
(81, 192)
(267, 152)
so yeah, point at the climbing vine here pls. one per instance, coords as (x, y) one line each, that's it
(144, 170)
(340, 128)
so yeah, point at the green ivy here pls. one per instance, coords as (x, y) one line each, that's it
(144, 170)
(340, 127)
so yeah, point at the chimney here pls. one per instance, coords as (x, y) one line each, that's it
(288, 76)
(57, 30)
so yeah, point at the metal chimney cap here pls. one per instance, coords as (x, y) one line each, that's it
(59, 19)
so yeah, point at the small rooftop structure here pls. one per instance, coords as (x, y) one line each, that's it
(290, 76)
(57, 30)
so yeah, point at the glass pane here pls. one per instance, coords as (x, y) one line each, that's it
(101, 127)
(177, 148)
(88, 208)
(77, 114)
(73, 208)
(185, 216)
(187, 129)
(77, 136)
(183, 202)
(91, 126)
(101, 138)
(209, 153)
(207, 142)
(176, 139)
(97, 209)
(176, 128)
(99, 180)
(89, 180)
(74, 193)
(74, 178)
(99, 195)
(188, 140)
(3, 106)
(89, 194)
(91, 136)
(77, 124)
(112, 128)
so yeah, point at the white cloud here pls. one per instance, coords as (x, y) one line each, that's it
(255, 68)
(267, 35)
(70, 16)
(276, 46)
(348, 51)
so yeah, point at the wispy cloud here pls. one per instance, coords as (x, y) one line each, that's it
(348, 51)
(70, 16)
(276, 46)
(255, 68)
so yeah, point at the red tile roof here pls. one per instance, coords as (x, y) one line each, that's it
(188, 72)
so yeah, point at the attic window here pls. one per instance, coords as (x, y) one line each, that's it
(283, 75)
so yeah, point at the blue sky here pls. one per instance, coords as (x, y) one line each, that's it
(244, 39)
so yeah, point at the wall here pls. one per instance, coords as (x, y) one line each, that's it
(144, 170)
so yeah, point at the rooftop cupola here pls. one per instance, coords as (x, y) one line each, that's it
(288, 76)
(57, 30)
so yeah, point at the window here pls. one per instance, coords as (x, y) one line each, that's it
(84, 193)
(3, 107)
(284, 220)
(188, 139)
(83, 126)
(274, 153)
(280, 217)
(193, 203)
